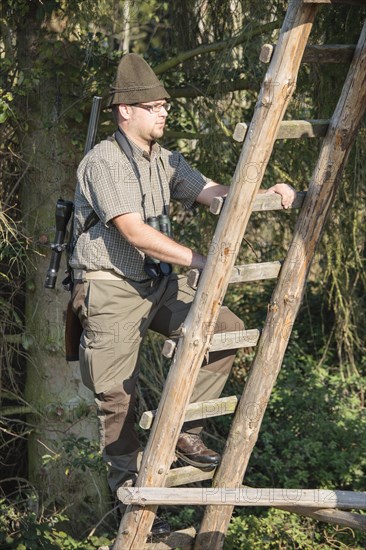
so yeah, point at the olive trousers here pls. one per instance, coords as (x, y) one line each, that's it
(116, 315)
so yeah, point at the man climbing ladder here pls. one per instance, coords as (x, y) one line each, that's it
(124, 282)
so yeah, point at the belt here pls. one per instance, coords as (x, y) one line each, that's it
(104, 275)
(80, 274)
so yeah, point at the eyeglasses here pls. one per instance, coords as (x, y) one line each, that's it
(156, 108)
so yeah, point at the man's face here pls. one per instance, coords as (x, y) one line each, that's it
(144, 123)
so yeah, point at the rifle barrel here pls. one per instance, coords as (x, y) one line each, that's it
(93, 123)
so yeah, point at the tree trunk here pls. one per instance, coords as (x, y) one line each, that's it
(61, 404)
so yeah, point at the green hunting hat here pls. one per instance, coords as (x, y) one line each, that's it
(136, 82)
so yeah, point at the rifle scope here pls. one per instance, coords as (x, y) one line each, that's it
(63, 214)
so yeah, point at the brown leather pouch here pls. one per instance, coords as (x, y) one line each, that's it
(73, 330)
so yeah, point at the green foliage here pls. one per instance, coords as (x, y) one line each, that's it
(182, 518)
(5, 109)
(278, 530)
(21, 530)
(310, 436)
(77, 453)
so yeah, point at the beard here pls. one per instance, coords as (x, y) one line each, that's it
(158, 131)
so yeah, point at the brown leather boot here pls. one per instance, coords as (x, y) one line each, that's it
(192, 450)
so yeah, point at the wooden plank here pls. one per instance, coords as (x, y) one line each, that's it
(255, 272)
(183, 539)
(187, 474)
(290, 129)
(262, 202)
(195, 411)
(234, 340)
(287, 297)
(266, 53)
(193, 276)
(243, 496)
(169, 348)
(279, 85)
(296, 129)
(243, 273)
(220, 341)
(272, 201)
(329, 53)
(317, 53)
(240, 132)
(336, 517)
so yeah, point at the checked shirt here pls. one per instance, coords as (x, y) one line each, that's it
(111, 185)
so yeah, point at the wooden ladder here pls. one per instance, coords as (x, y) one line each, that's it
(156, 480)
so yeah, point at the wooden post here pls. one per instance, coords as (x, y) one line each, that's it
(288, 294)
(336, 517)
(321, 53)
(290, 129)
(278, 87)
(244, 496)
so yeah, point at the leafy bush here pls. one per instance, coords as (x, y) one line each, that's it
(278, 530)
(21, 530)
(311, 432)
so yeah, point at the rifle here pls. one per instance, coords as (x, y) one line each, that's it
(64, 212)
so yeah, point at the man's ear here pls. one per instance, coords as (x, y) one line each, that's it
(124, 111)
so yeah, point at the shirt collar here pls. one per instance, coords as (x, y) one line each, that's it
(139, 153)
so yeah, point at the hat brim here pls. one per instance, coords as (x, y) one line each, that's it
(138, 96)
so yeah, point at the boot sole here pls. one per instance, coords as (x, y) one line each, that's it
(200, 465)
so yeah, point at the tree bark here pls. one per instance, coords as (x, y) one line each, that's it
(53, 387)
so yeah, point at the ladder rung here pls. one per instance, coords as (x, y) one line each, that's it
(195, 411)
(221, 341)
(290, 129)
(243, 273)
(329, 53)
(187, 474)
(266, 53)
(272, 201)
(322, 53)
(183, 539)
(234, 340)
(240, 131)
(243, 496)
(255, 272)
(169, 348)
(262, 202)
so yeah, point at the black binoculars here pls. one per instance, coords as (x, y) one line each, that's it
(155, 268)
(63, 214)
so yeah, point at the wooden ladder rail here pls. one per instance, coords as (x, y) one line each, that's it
(277, 89)
(287, 295)
(185, 475)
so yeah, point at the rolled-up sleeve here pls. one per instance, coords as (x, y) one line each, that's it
(186, 183)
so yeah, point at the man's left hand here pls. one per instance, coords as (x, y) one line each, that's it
(288, 193)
